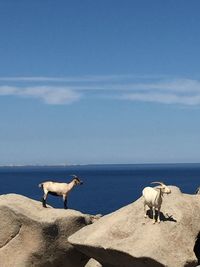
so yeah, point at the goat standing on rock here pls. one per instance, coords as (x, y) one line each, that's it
(153, 198)
(59, 189)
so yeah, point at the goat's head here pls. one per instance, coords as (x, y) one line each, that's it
(165, 189)
(76, 180)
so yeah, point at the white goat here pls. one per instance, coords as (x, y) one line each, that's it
(153, 198)
(58, 189)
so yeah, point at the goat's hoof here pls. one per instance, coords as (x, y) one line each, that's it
(158, 221)
(154, 222)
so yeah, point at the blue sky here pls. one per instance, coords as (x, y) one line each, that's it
(99, 81)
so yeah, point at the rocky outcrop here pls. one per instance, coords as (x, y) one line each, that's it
(93, 263)
(32, 236)
(126, 239)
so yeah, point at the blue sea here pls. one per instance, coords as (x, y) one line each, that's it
(106, 188)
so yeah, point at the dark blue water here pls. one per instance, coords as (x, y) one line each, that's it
(106, 187)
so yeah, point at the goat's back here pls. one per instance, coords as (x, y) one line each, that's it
(149, 194)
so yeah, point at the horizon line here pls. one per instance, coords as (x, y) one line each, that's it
(93, 164)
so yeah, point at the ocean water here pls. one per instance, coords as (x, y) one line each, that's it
(106, 188)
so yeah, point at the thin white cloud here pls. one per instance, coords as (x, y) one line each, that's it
(166, 98)
(176, 85)
(176, 91)
(50, 95)
(88, 78)
(8, 90)
(155, 89)
(74, 79)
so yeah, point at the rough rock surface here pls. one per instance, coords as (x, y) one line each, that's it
(32, 236)
(126, 239)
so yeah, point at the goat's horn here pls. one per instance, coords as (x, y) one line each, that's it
(157, 183)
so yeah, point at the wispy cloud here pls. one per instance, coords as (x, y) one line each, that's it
(152, 88)
(49, 95)
(176, 91)
(73, 79)
(163, 98)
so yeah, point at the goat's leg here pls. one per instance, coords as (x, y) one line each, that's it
(65, 201)
(44, 199)
(154, 214)
(145, 212)
(158, 220)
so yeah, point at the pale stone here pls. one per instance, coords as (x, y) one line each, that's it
(126, 239)
(33, 236)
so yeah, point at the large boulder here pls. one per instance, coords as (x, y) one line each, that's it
(126, 239)
(32, 236)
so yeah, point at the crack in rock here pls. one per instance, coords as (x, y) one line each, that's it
(13, 236)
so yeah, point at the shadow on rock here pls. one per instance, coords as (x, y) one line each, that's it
(125, 260)
(112, 258)
(162, 216)
(197, 248)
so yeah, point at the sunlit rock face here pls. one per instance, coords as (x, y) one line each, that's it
(33, 236)
(126, 239)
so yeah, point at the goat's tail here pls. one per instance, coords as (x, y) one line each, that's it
(41, 185)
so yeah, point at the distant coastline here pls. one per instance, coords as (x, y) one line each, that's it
(98, 165)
